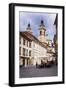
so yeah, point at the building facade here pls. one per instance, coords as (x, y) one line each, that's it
(33, 50)
(25, 51)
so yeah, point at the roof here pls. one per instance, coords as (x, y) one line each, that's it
(31, 37)
(51, 52)
(42, 26)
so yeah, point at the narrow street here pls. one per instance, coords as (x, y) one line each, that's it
(32, 71)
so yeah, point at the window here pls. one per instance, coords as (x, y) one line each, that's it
(27, 43)
(19, 50)
(34, 45)
(40, 32)
(30, 44)
(24, 51)
(20, 40)
(30, 53)
(23, 41)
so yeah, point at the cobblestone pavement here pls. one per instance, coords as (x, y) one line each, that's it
(32, 71)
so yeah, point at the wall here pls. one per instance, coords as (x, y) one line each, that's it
(4, 45)
(38, 52)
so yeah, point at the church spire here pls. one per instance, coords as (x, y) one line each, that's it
(42, 22)
(42, 26)
(29, 28)
(42, 32)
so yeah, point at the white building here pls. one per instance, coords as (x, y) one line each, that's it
(25, 50)
(31, 49)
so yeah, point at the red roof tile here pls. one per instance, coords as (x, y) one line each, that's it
(31, 37)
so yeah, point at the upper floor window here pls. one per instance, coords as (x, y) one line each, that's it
(30, 44)
(34, 45)
(24, 51)
(24, 41)
(40, 32)
(30, 53)
(27, 43)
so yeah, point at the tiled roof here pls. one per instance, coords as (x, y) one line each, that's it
(31, 37)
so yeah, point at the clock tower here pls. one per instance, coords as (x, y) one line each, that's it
(42, 32)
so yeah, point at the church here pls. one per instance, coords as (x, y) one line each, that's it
(33, 50)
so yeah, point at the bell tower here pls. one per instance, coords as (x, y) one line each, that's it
(42, 32)
(29, 28)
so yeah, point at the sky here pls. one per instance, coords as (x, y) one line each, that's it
(35, 20)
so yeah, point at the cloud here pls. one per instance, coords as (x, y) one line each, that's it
(35, 19)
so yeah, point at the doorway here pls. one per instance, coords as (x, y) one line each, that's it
(23, 62)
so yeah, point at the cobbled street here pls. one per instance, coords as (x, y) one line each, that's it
(32, 71)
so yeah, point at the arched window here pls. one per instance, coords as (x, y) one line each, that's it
(40, 32)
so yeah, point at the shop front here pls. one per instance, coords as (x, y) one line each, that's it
(25, 61)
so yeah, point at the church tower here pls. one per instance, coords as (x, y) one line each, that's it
(42, 32)
(29, 28)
